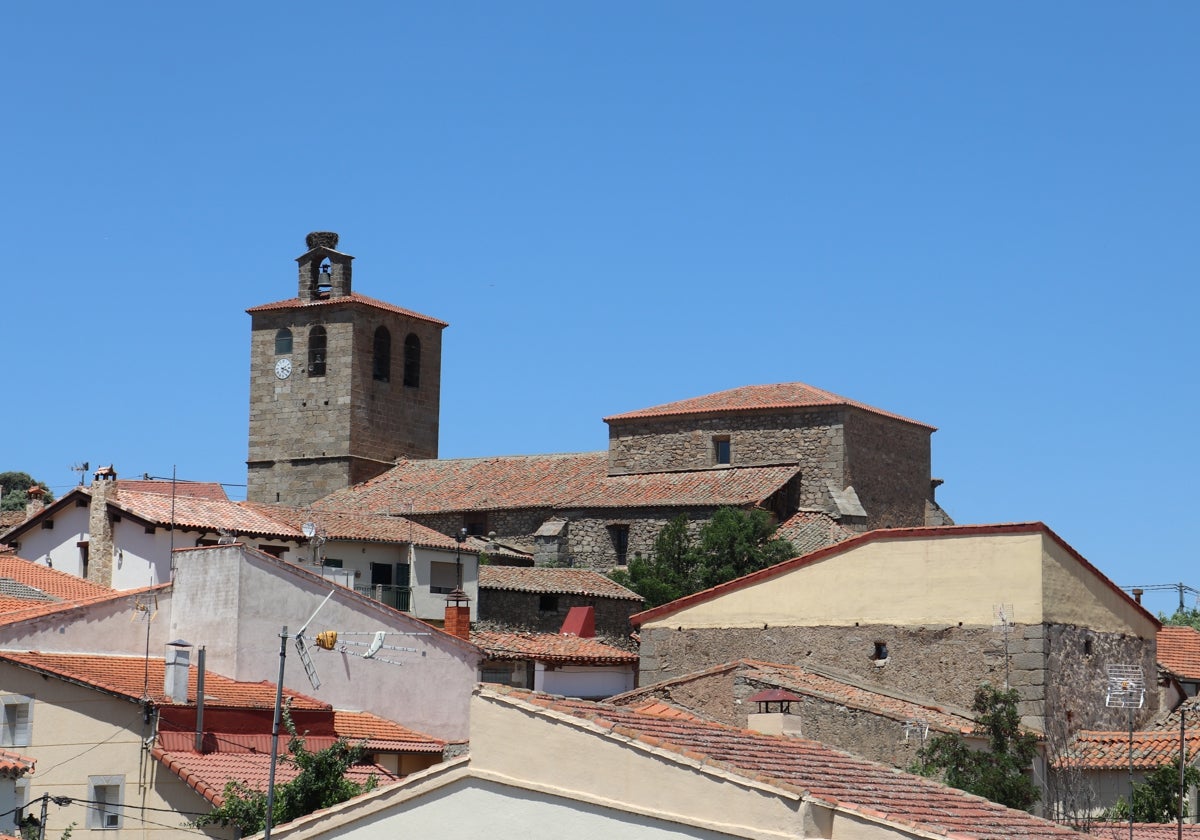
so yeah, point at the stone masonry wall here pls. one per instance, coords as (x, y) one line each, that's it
(511, 609)
(888, 464)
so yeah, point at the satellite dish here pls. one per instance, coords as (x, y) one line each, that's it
(309, 529)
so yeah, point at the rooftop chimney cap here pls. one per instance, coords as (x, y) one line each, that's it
(321, 239)
(105, 473)
(35, 491)
(179, 643)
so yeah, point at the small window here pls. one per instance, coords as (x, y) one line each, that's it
(548, 603)
(275, 551)
(881, 652)
(721, 451)
(84, 556)
(332, 563)
(476, 523)
(16, 722)
(1087, 647)
(48, 524)
(620, 541)
(105, 795)
(316, 351)
(443, 577)
(381, 363)
(283, 342)
(412, 361)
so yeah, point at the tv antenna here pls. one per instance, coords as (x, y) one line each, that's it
(1126, 690)
(302, 647)
(916, 727)
(316, 536)
(366, 645)
(1002, 626)
(81, 467)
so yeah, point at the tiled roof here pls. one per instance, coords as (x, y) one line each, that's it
(822, 773)
(1170, 721)
(10, 518)
(201, 514)
(208, 773)
(785, 395)
(1179, 651)
(296, 303)
(380, 734)
(367, 527)
(1144, 831)
(550, 647)
(809, 530)
(563, 481)
(135, 677)
(1095, 750)
(57, 585)
(943, 531)
(14, 765)
(210, 490)
(556, 581)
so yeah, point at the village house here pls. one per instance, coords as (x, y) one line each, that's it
(539, 599)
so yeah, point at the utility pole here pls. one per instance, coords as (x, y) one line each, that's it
(45, 807)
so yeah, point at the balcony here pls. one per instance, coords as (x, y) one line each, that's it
(396, 597)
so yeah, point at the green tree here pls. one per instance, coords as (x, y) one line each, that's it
(321, 783)
(734, 542)
(1156, 800)
(1182, 617)
(999, 773)
(14, 490)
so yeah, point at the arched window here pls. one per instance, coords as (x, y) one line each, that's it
(283, 342)
(412, 361)
(381, 364)
(316, 351)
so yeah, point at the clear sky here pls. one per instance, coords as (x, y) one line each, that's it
(980, 216)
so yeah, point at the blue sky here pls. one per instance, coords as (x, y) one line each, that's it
(980, 216)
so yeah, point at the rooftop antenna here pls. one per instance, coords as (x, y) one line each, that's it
(81, 468)
(1126, 690)
(1002, 626)
(916, 727)
(372, 642)
(316, 536)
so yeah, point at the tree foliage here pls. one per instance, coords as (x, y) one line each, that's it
(733, 543)
(1156, 800)
(14, 490)
(1182, 617)
(321, 783)
(999, 773)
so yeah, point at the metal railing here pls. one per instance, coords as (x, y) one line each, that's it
(396, 597)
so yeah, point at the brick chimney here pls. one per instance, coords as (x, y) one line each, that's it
(100, 527)
(458, 615)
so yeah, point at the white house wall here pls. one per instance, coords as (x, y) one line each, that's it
(588, 682)
(235, 603)
(123, 626)
(56, 547)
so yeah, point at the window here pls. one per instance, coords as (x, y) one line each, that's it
(48, 524)
(105, 795)
(283, 342)
(332, 563)
(83, 558)
(381, 364)
(721, 450)
(275, 551)
(881, 652)
(476, 523)
(548, 603)
(316, 351)
(16, 723)
(412, 361)
(443, 578)
(620, 540)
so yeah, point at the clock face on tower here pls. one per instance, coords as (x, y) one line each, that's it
(283, 368)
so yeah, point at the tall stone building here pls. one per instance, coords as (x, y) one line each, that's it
(341, 385)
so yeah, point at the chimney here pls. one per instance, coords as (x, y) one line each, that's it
(581, 622)
(35, 502)
(1137, 595)
(100, 530)
(175, 670)
(458, 615)
(778, 722)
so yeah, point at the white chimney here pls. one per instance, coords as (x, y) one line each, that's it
(175, 670)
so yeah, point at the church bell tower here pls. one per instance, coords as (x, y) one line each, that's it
(341, 385)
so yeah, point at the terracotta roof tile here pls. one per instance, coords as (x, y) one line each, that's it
(210, 490)
(785, 395)
(556, 581)
(296, 303)
(135, 677)
(381, 734)
(820, 772)
(201, 514)
(1179, 651)
(13, 765)
(808, 530)
(57, 585)
(1097, 750)
(562, 481)
(550, 647)
(1144, 831)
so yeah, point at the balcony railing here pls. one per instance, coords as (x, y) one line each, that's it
(396, 597)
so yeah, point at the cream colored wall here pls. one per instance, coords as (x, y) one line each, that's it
(946, 580)
(1075, 596)
(77, 733)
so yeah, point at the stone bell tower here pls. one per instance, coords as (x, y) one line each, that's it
(341, 385)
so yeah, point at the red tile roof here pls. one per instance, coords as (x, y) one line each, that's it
(811, 769)
(367, 527)
(1179, 651)
(208, 773)
(135, 677)
(57, 585)
(556, 581)
(297, 303)
(1144, 831)
(549, 481)
(1095, 750)
(785, 395)
(201, 514)
(14, 765)
(383, 735)
(550, 647)
(809, 530)
(938, 532)
(196, 489)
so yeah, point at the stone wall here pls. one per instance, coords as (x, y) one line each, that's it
(941, 662)
(888, 465)
(520, 610)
